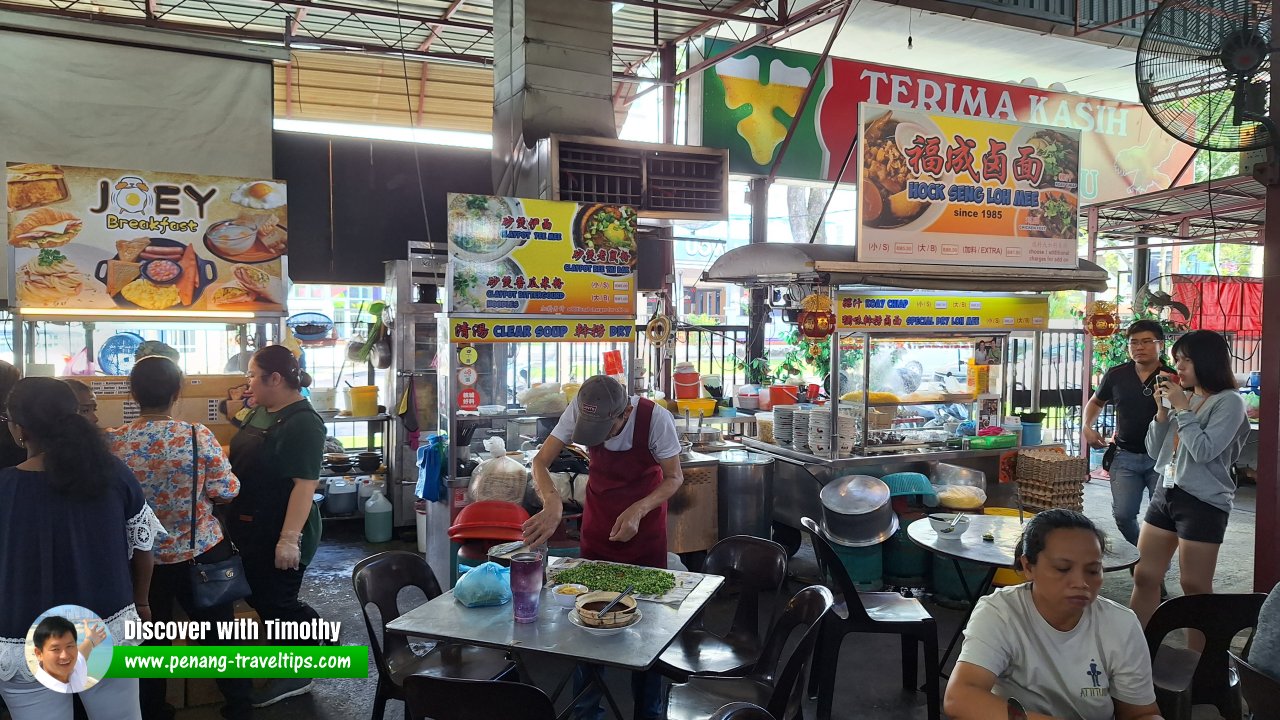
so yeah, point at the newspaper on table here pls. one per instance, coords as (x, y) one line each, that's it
(685, 581)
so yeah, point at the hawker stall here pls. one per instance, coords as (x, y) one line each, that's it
(918, 364)
(541, 297)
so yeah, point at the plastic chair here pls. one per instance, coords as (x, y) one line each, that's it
(378, 579)
(771, 683)
(454, 699)
(1185, 677)
(871, 612)
(751, 567)
(742, 711)
(1261, 692)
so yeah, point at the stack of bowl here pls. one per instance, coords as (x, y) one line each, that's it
(337, 462)
(589, 605)
(368, 461)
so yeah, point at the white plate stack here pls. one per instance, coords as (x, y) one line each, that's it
(783, 423)
(800, 434)
(819, 431)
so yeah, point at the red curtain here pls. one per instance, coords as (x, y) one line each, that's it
(1222, 304)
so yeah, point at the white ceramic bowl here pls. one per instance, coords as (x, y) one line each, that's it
(568, 599)
(942, 521)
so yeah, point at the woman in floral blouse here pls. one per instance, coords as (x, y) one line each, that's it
(163, 453)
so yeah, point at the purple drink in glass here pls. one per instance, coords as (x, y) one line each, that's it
(526, 585)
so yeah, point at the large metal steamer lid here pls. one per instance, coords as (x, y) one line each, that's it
(854, 495)
(744, 457)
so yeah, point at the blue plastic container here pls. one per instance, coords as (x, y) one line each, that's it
(905, 563)
(1032, 433)
(865, 565)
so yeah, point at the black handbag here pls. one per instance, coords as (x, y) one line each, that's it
(215, 583)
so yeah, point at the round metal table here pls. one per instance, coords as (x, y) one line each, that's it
(1007, 530)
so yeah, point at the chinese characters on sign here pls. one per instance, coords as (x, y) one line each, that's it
(861, 311)
(961, 191)
(538, 257)
(464, 330)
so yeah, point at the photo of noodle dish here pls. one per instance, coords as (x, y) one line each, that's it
(1058, 153)
(49, 279)
(470, 287)
(475, 227)
(606, 227)
(886, 172)
(1055, 218)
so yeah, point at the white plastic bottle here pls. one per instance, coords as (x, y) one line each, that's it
(377, 518)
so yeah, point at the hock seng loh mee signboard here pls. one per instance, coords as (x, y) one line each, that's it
(749, 99)
(944, 189)
(111, 239)
(540, 257)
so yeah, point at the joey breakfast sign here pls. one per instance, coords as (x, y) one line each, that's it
(100, 239)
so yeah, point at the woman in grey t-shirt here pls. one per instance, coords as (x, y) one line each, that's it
(1195, 438)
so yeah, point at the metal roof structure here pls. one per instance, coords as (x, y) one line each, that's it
(443, 30)
(1230, 210)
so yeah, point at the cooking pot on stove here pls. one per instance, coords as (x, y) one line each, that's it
(857, 512)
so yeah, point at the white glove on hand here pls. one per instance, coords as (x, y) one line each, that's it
(289, 550)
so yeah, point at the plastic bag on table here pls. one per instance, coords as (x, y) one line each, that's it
(485, 585)
(501, 477)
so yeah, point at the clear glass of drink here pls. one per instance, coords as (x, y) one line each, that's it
(526, 585)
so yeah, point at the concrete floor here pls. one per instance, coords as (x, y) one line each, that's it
(871, 693)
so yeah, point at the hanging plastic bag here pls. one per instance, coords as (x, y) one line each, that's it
(501, 477)
(484, 586)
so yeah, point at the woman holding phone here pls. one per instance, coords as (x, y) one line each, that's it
(1196, 437)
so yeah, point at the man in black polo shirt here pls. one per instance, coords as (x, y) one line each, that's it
(1131, 388)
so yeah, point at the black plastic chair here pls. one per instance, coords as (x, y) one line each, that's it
(751, 567)
(771, 683)
(742, 711)
(378, 579)
(1185, 677)
(871, 612)
(436, 698)
(1261, 692)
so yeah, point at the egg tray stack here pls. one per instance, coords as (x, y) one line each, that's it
(1048, 479)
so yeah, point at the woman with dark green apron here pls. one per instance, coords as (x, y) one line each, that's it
(274, 521)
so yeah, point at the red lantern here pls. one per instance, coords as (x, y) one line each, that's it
(1102, 320)
(817, 325)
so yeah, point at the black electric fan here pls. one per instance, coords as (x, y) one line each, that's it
(1203, 71)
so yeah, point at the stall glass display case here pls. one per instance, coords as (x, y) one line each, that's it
(905, 393)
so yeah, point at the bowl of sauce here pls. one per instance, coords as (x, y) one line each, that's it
(589, 605)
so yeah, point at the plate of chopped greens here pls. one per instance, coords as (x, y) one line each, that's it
(651, 584)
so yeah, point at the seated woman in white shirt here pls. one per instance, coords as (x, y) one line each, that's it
(1051, 647)
(63, 664)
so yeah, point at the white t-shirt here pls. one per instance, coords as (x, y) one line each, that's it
(664, 442)
(76, 683)
(1071, 674)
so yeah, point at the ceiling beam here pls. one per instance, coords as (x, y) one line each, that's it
(702, 12)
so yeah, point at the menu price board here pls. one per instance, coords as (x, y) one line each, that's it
(469, 330)
(951, 190)
(540, 257)
(110, 239)
(913, 312)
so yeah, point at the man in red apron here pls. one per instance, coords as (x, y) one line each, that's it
(635, 468)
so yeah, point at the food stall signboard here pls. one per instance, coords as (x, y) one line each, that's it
(951, 190)
(108, 239)
(540, 257)
(748, 101)
(473, 330)
(913, 312)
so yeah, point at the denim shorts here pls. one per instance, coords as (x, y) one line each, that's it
(1178, 511)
